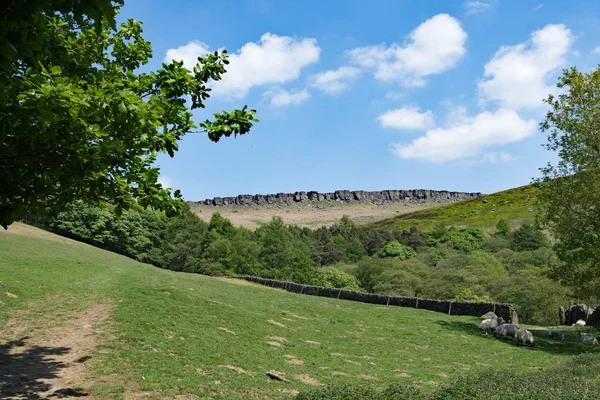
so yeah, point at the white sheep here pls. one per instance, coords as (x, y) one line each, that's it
(488, 325)
(524, 338)
(580, 323)
(506, 331)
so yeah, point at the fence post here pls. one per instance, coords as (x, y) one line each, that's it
(388, 302)
(302, 290)
(340, 292)
(450, 308)
(417, 305)
(494, 308)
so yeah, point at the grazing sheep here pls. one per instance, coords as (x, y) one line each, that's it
(580, 323)
(500, 321)
(488, 325)
(489, 315)
(580, 334)
(524, 338)
(588, 340)
(556, 335)
(506, 331)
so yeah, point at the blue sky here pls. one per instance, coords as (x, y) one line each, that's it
(372, 95)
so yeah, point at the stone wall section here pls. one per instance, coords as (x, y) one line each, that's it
(449, 307)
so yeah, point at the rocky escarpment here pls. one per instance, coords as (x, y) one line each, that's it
(346, 196)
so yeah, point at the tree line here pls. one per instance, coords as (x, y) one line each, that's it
(517, 266)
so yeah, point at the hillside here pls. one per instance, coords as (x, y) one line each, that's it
(83, 321)
(516, 206)
(312, 215)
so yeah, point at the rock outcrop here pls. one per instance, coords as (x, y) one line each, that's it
(575, 312)
(346, 196)
(594, 318)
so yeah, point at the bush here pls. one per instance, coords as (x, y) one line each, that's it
(535, 297)
(396, 250)
(528, 237)
(461, 239)
(335, 278)
(468, 295)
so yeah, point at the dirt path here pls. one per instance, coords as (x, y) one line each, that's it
(52, 365)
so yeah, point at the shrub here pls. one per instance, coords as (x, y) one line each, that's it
(528, 237)
(462, 239)
(396, 250)
(468, 295)
(335, 278)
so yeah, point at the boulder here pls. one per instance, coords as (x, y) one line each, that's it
(575, 312)
(594, 318)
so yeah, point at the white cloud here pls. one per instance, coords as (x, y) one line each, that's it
(538, 6)
(274, 59)
(284, 98)
(335, 81)
(468, 139)
(407, 118)
(188, 53)
(596, 50)
(395, 95)
(516, 76)
(476, 7)
(434, 47)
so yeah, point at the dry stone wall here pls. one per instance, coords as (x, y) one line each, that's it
(346, 196)
(449, 307)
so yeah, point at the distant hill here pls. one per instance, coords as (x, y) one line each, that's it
(313, 209)
(516, 206)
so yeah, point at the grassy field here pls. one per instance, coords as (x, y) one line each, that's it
(79, 318)
(516, 206)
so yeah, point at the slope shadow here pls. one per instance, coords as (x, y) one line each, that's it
(25, 370)
(569, 346)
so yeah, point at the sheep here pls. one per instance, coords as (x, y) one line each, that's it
(556, 335)
(588, 340)
(580, 323)
(581, 335)
(489, 315)
(506, 331)
(500, 321)
(523, 337)
(488, 325)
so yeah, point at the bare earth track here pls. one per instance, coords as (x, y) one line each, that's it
(53, 364)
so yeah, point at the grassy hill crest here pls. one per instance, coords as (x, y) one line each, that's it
(516, 206)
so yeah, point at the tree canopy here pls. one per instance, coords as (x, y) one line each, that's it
(569, 191)
(79, 121)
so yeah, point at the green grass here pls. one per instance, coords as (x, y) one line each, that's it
(516, 206)
(165, 336)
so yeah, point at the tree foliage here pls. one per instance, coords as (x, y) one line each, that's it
(450, 269)
(569, 190)
(78, 120)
